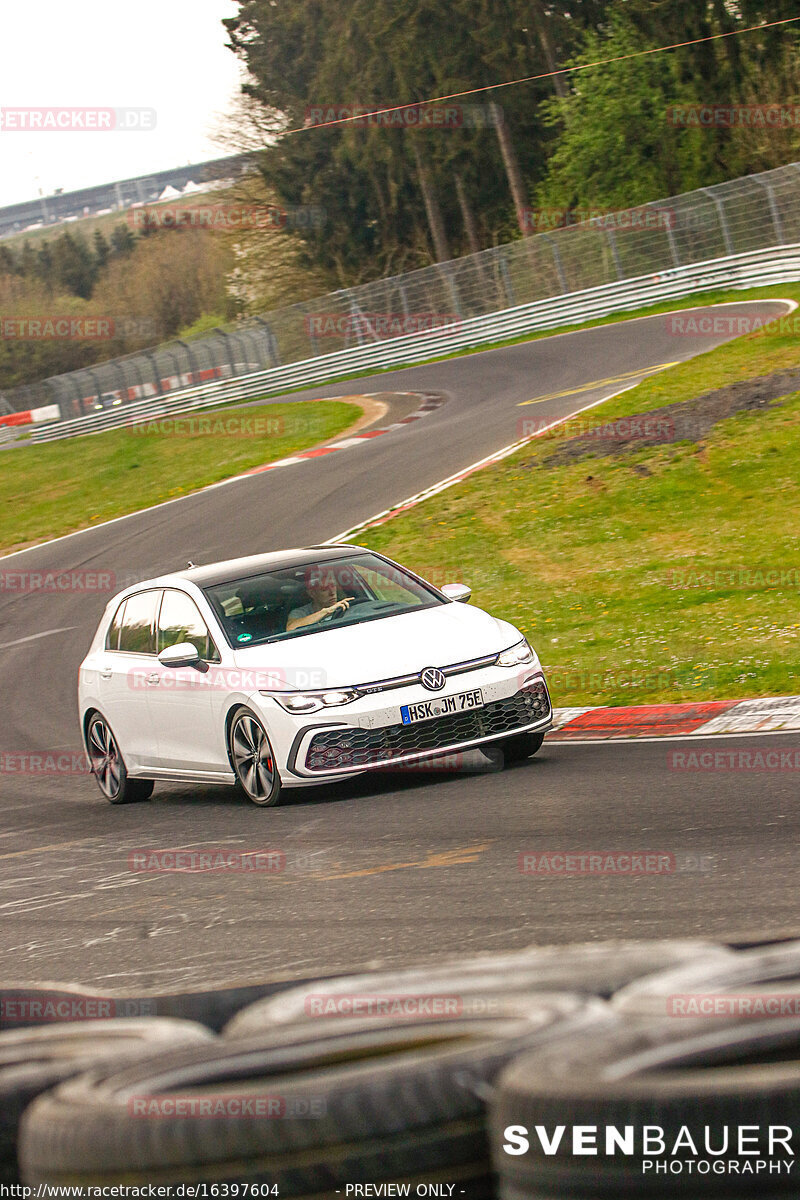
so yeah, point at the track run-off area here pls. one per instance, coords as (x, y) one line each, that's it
(393, 867)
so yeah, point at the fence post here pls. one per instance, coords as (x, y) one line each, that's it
(612, 242)
(773, 208)
(443, 270)
(227, 344)
(151, 358)
(723, 221)
(404, 299)
(190, 358)
(562, 279)
(272, 342)
(93, 377)
(506, 277)
(356, 315)
(673, 245)
(137, 370)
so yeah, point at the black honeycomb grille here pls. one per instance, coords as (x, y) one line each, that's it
(335, 748)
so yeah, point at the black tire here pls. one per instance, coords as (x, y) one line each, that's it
(23, 1006)
(597, 968)
(214, 1007)
(521, 746)
(669, 1076)
(656, 995)
(34, 1060)
(108, 765)
(253, 760)
(400, 1103)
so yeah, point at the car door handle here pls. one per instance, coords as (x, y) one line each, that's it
(106, 673)
(154, 678)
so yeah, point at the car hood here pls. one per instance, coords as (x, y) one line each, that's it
(381, 649)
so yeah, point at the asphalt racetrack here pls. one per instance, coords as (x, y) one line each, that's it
(390, 868)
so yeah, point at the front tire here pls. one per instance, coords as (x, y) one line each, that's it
(108, 766)
(253, 760)
(521, 746)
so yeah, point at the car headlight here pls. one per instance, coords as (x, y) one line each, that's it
(308, 702)
(515, 655)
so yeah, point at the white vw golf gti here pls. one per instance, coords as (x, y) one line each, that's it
(285, 670)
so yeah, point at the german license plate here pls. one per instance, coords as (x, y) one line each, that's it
(426, 710)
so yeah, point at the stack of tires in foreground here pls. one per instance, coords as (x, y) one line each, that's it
(495, 1076)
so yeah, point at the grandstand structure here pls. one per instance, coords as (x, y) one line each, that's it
(114, 197)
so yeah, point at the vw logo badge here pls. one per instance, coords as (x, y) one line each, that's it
(433, 679)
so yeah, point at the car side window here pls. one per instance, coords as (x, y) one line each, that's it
(180, 621)
(112, 637)
(138, 630)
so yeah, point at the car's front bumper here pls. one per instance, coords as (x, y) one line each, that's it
(368, 734)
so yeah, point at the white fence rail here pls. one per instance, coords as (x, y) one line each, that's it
(778, 264)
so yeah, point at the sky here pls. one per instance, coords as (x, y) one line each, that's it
(163, 55)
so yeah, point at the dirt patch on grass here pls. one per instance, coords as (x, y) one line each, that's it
(688, 420)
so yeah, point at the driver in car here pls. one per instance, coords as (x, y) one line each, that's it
(323, 592)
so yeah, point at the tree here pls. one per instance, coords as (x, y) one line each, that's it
(618, 145)
(122, 240)
(74, 266)
(301, 54)
(102, 250)
(174, 278)
(8, 263)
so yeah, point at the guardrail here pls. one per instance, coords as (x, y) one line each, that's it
(778, 264)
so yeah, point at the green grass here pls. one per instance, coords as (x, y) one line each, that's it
(56, 488)
(678, 586)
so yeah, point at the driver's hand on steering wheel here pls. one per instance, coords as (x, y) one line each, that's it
(341, 606)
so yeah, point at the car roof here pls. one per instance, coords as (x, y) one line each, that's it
(255, 564)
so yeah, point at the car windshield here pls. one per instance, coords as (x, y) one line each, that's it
(314, 597)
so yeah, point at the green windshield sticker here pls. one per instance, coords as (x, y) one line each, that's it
(245, 637)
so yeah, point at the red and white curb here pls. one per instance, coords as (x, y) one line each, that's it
(32, 416)
(430, 403)
(771, 714)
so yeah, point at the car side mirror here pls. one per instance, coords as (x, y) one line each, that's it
(184, 654)
(457, 591)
